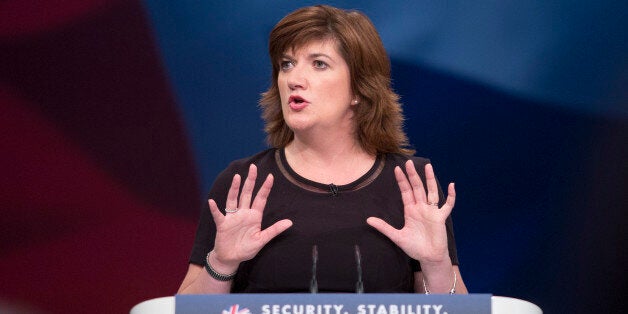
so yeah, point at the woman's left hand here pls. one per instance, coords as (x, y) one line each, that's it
(424, 235)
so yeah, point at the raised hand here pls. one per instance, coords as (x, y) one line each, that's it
(238, 233)
(423, 236)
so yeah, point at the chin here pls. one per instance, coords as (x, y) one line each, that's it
(297, 125)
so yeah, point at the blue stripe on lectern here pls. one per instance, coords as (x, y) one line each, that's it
(340, 303)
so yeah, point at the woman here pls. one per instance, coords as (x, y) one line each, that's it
(329, 207)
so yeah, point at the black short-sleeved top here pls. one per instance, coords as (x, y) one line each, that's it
(332, 218)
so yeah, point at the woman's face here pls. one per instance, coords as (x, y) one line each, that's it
(315, 88)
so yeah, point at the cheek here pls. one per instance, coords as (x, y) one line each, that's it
(283, 92)
(341, 89)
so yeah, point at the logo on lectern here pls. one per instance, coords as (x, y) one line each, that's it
(235, 309)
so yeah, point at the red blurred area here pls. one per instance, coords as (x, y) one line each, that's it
(27, 17)
(98, 188)
(74, 239)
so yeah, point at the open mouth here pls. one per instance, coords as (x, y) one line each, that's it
(297, 102)
(296, 99)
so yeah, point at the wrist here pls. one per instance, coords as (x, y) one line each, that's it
(219, 270)
(221, 264)
(452, 289)
(438, 277)
(436, 264)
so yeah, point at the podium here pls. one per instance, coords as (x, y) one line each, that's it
(335, 304)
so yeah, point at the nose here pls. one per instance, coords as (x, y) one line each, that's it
(296, 79)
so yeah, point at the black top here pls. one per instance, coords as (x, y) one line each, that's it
(331, 217)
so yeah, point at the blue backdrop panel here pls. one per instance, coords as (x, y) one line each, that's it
(514, 101)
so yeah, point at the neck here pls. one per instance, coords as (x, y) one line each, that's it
(339, 160)
(327, 147)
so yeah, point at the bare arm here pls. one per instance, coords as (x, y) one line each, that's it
(198, 281)
(460, 286)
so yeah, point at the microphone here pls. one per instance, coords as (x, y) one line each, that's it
(333, 189)
(359, 286)
(313, 282)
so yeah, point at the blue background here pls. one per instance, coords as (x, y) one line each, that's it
(522, 104)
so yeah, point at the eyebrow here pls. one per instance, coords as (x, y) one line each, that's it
(316, 55)
(310, 56)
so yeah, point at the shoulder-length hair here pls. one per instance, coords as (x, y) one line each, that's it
(378, 116)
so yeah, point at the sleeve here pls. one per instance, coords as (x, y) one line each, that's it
(206, 230)
(451, 240)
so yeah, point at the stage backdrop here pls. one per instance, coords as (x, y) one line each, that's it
(117, 115)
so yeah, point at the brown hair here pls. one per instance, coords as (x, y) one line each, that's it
(378, 116)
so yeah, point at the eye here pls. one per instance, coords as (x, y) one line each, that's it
(320, 64)
(286, 65)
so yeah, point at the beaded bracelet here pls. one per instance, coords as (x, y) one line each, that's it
(451, 291)
(216, 275)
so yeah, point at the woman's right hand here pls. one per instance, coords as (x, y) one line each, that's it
(238, 234)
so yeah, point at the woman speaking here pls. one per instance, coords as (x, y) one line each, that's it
(338, 203)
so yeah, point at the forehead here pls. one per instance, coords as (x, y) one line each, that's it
(327, 46)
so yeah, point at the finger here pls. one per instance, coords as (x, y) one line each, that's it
(451, 198)
(407, 195)
(383, 227)
(432, 186)
(213, 209)
(247, 189)
(415, 181)
(262, 195)
(275, 229)
(232, 196)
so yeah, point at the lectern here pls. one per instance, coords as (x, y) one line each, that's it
(339, 303)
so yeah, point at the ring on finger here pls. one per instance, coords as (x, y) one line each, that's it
(432, 204)
(231, 211)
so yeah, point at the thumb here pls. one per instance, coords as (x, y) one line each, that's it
(275, 229)
(213, 208)
(383, 227)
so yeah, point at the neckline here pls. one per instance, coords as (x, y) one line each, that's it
(313, 186)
